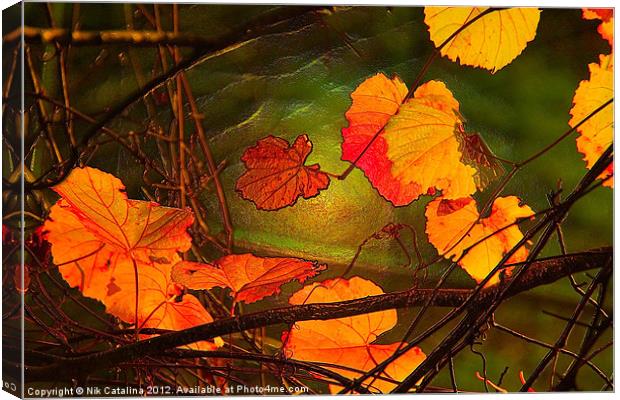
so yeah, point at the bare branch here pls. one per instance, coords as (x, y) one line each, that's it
(541, 272)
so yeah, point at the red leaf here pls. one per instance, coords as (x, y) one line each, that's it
(276, 175)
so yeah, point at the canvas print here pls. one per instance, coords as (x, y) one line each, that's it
(220, 199)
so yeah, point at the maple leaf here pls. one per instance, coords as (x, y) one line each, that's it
(114, 249)
(276, 175)
(491, 42)
(596, 134)
(606, 15)
(416, 150)
(249, 277)
(454, 225)
(348, 342)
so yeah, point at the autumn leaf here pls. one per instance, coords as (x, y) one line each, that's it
(276, 175)
(606, 15)
(596, 134)
(375, 101)
(453, 226)
(249, 277)
(416, 151)
(114, 249)
(491, 42)
(349, 342)
(476, 153)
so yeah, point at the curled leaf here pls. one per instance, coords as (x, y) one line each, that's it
(249, 277)
(276, 173)
(596, 134)
(491, 42)
(348, 342)
(455, 225)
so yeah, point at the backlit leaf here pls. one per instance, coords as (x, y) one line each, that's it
(375, 101)
(491, 42)
(452, 226)
(596, 134)
(606, 15)
(348, 341)
(250, 278)
(416, 151)
(111, 248)
(276, 175)
(477, 154)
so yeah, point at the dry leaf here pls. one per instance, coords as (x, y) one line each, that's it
(596, 134)
(276, 175)
(452, 226)
(348, 342)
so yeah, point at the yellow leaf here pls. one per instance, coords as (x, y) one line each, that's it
(452, 226)
(423, 147)
(348, 342)
(606, 15)
(596, 134)
(250, 278)
(490, 42)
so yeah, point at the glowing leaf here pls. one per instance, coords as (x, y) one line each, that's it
(416, 151)
(490, 42)
(249, 277)
(606, 15)
(596, 134)
(112, 248)
(452, 226)
(348, 342)
(375, 101)
(423, 147)
(276, 175)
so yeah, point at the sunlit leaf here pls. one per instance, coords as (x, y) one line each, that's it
(348, 342)
(455, 225)
(111, 248)
(491, 42)
(276, 175)
(416, 151)
(477, 154)
(249, 277)
(596, 134)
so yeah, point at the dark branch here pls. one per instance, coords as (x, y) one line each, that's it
(541, 272)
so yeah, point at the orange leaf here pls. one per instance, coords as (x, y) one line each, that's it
(276, 175)
(250, 278)
(416, 151)
(112, 248)
(452, 226)
(606, 15)
(596, 134)
(348, 342)
(491, 42)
